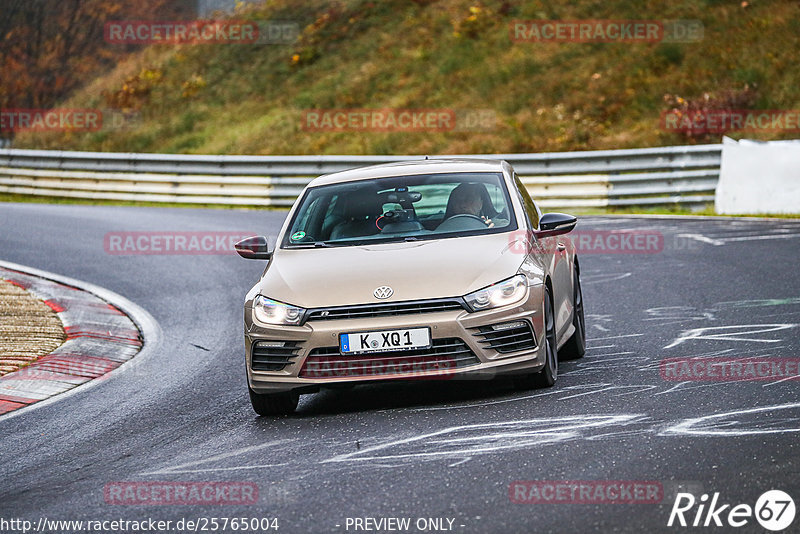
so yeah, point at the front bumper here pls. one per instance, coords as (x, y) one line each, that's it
(462, 349)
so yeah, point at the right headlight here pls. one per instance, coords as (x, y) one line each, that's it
(503, 293)
(271, 311)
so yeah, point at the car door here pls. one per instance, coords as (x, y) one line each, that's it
(555, 251)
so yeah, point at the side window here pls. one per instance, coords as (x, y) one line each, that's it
(496, 197)
(302, 222)
(311, 222)
(527, 202)
(333, 216)
(334, 206)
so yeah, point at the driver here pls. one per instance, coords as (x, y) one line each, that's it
(466, 199)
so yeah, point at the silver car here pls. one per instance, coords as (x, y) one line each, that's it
(427, 269)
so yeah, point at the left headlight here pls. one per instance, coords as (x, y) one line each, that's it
(271, 311)
(502, 293)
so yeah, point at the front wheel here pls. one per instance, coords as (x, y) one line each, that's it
(283, 403)
(549, 373)
(575, 347)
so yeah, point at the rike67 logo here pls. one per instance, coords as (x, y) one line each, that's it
(774, 510)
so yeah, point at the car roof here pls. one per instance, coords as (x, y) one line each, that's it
(420, 166)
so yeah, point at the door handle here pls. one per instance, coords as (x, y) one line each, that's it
(561, 247)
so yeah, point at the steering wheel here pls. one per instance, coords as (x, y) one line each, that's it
(457, 215)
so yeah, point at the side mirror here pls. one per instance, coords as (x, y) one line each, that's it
(555, 224)
(253, 248)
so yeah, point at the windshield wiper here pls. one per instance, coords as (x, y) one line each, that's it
(315, 244)
(394, 239)
(348, 243)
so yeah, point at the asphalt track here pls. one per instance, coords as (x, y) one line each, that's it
(719, 288)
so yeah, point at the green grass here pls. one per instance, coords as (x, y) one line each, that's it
(707, 210)
(399, 54)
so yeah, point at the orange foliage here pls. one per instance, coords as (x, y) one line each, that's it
(50, 47)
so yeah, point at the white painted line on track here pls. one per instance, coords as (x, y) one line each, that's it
(613, 337)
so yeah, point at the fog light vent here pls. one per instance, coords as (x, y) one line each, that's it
(513, 336)
(508, 326)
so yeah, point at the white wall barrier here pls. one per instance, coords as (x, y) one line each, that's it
(759, 177)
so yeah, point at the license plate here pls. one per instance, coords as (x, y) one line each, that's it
(385, 340)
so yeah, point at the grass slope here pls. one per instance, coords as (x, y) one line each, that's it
(454, 54)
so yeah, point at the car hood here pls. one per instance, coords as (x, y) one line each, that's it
(336, 276)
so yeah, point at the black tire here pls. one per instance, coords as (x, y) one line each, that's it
(283, 403)
(549, 373)
(575, 347)
(340, 387)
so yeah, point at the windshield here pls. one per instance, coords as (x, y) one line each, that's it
(398, 208)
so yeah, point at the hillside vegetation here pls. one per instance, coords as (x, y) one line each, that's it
(451, 54)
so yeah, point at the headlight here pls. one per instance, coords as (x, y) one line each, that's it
(502, 293)
(273, 312)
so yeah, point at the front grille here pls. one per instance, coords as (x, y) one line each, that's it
(507, 337)
(384, 310)
(444, 354)
(273, 355)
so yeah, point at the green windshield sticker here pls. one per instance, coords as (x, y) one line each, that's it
(298, 236)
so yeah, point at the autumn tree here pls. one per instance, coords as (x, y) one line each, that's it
(50, 47)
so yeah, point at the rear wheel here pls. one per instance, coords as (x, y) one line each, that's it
(283, 403)
(575, 347)
(549, 373)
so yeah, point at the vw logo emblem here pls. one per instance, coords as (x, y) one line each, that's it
(383, 292)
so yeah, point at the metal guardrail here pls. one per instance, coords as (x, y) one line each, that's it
(650, 176)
